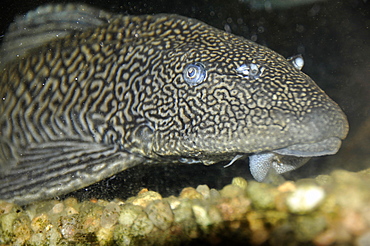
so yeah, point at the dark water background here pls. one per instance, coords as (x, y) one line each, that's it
(334, 39)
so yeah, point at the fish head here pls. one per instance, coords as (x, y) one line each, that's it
(231, 96)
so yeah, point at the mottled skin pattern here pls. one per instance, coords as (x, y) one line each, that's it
(86, 106)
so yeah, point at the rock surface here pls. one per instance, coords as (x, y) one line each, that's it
(329, 210)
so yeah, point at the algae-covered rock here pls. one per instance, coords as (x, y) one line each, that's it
(231, 190)
(262, 195)
(307, 227)
(145, 197)
(304, 212)
(128, 214)
(160, 213)
(110, 215)
(240, 182)
(190, 193)
(204, 190)
(305, 198)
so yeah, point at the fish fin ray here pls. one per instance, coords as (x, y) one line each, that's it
(52, 169)
(8, 156)
(46, 23)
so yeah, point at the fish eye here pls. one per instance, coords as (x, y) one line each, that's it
(297, 61)
(195, 73)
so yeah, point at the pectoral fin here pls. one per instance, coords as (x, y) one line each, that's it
(55, 168)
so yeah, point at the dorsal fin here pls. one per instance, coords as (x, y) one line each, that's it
(46, 23)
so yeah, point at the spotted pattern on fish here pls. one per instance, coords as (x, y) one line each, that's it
(107, 92)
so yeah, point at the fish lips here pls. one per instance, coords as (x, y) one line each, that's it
(328, 146)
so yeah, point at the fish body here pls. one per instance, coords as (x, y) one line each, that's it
(86, 94)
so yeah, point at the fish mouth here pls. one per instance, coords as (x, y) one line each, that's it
(289, 158)
(328, 146)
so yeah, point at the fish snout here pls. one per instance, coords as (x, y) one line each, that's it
(318, 133)
(328, 121)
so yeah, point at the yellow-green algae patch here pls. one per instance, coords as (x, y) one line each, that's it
(329, 210)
